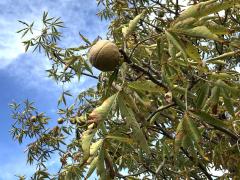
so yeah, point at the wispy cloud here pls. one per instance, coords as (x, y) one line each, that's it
(29, 69)
(78, 17)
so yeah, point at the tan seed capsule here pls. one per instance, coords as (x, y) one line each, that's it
(104, 55)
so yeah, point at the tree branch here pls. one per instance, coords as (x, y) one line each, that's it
(141, 69)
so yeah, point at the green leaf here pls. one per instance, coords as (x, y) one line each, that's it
(95, 146)
(179, 137)
(101, 112)
(121, 139)
(209, 119)
(227, 102)
(177, 42)
(221, 84)
(200, 31)
(101, 170)
(154, 118)
(215, 93)
(185, 23)
(202, 95)
(160, 48)
(192, 52)
(70, 60)
(92, 167)
(146, 85)
(182, 91)
(86, 139)
(127, 30)
(191, 129)
(85, 39)
(217, 28)
(138, 135)
(205, 8)
(223, 56)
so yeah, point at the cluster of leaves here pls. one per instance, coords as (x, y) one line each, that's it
(171, 111)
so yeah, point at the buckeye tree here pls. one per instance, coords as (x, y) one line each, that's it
(168, 109)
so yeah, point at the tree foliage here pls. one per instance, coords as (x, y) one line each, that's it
(170, 111)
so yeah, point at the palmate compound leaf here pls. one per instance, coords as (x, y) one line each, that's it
(128, 114)
(101, 112)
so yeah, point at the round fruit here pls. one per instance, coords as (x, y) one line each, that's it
(73, 120)
(104, 55)
(33, 118)
(60, 120)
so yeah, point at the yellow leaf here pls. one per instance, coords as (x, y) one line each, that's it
(127, 30)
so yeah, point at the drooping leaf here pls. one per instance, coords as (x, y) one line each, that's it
(127, 30)
(228, 102)
(221, 84)
(138, 135)
(121, 139)
(179, 137)
(228, 105)
(191, 129)
(101, 170)
(210, 119)
(92, 167)
(202, 32)
(185, 23)
(217, 29)
(177, 42)
(215, 93)
(202, 95)
(146, 85)
(223, 56)
(84, 39)
(182, 91)
(101, 112)
(160, 48)
(192, 52)
(86, 139)
(95, 146)
(205, 8)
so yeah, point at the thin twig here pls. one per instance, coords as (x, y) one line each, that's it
(160, 109)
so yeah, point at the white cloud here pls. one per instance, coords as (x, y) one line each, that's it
(76, 15)
(10, 44)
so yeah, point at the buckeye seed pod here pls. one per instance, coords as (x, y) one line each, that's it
(104, 55)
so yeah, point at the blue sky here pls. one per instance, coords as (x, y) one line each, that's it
(23, 76)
